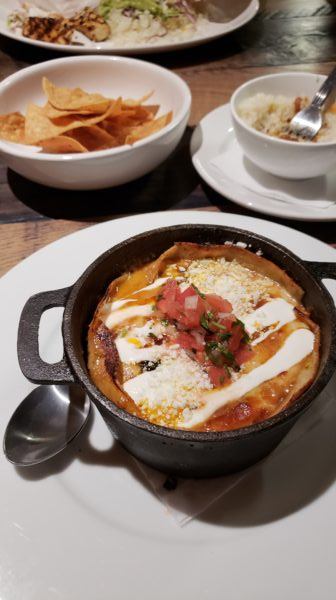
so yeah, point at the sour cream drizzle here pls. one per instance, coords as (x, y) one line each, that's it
(277, 312)
(116, 316)
(297, 346)
(129, 353)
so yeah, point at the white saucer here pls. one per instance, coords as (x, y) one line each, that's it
(86, 526)
(219, 160)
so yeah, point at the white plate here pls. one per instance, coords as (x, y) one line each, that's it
(86, 526)
(220, 161)
(211, 31)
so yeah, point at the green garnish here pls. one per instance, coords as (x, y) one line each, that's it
(154, 7)
(219, 325)
(198, 291)
(228, 355)
(213, 353)
(246, 337)
(205, 320)
(223, 337)
(165, 322)
(218, 353)
(153, 336)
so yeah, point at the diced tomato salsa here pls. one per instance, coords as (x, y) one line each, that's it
(207, 329)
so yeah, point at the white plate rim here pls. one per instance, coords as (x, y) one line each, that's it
(247, 15)
(191, 540)
(233, 191)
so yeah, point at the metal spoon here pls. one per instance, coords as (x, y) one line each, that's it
(44, 423)
(308, 122)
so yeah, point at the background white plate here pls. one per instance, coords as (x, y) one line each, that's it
(86, 526)
(211, 32)
(215, 136)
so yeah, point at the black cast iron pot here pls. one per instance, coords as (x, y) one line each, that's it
(185, 453)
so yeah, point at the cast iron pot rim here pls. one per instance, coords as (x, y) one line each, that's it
(291, 412)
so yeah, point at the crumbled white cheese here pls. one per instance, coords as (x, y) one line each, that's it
(230, 280)
(175, 385)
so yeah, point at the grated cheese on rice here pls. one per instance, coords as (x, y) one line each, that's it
(271, 115)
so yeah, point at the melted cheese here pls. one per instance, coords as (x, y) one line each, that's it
(296, 347)
(178, 392)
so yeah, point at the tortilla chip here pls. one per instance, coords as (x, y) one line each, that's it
(74, 99)
(148, 128)
(138, 114)
(119, 131)
(73, 120)
(93, 138)
(62, 144)
(131, 102)
(55, 113)
(12, 127)
(38, 127)
(152, 109)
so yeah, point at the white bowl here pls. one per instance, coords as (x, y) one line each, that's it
(292, 160)
(112, 76)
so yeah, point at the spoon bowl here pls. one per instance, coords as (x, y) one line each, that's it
(44, 423)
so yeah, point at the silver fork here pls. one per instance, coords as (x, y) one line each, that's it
(308, 122)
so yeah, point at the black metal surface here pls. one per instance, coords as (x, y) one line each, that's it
(31, 365)
(189, 453)
(322, 270)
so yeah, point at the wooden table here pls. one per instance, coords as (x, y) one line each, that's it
(286, 34)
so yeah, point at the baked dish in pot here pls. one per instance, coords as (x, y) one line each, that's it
(159, 378)
(204, 338)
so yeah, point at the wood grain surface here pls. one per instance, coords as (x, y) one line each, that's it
(285, 35)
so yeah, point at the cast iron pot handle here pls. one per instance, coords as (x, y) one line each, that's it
(322, 270)
(31, 364)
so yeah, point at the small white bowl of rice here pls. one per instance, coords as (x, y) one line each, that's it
(261, 111)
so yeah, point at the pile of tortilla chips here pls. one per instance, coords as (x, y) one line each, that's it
(73, 120)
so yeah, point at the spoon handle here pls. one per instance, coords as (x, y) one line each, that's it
(325, 95)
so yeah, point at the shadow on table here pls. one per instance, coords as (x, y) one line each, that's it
(294, 476)
(162, 189)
